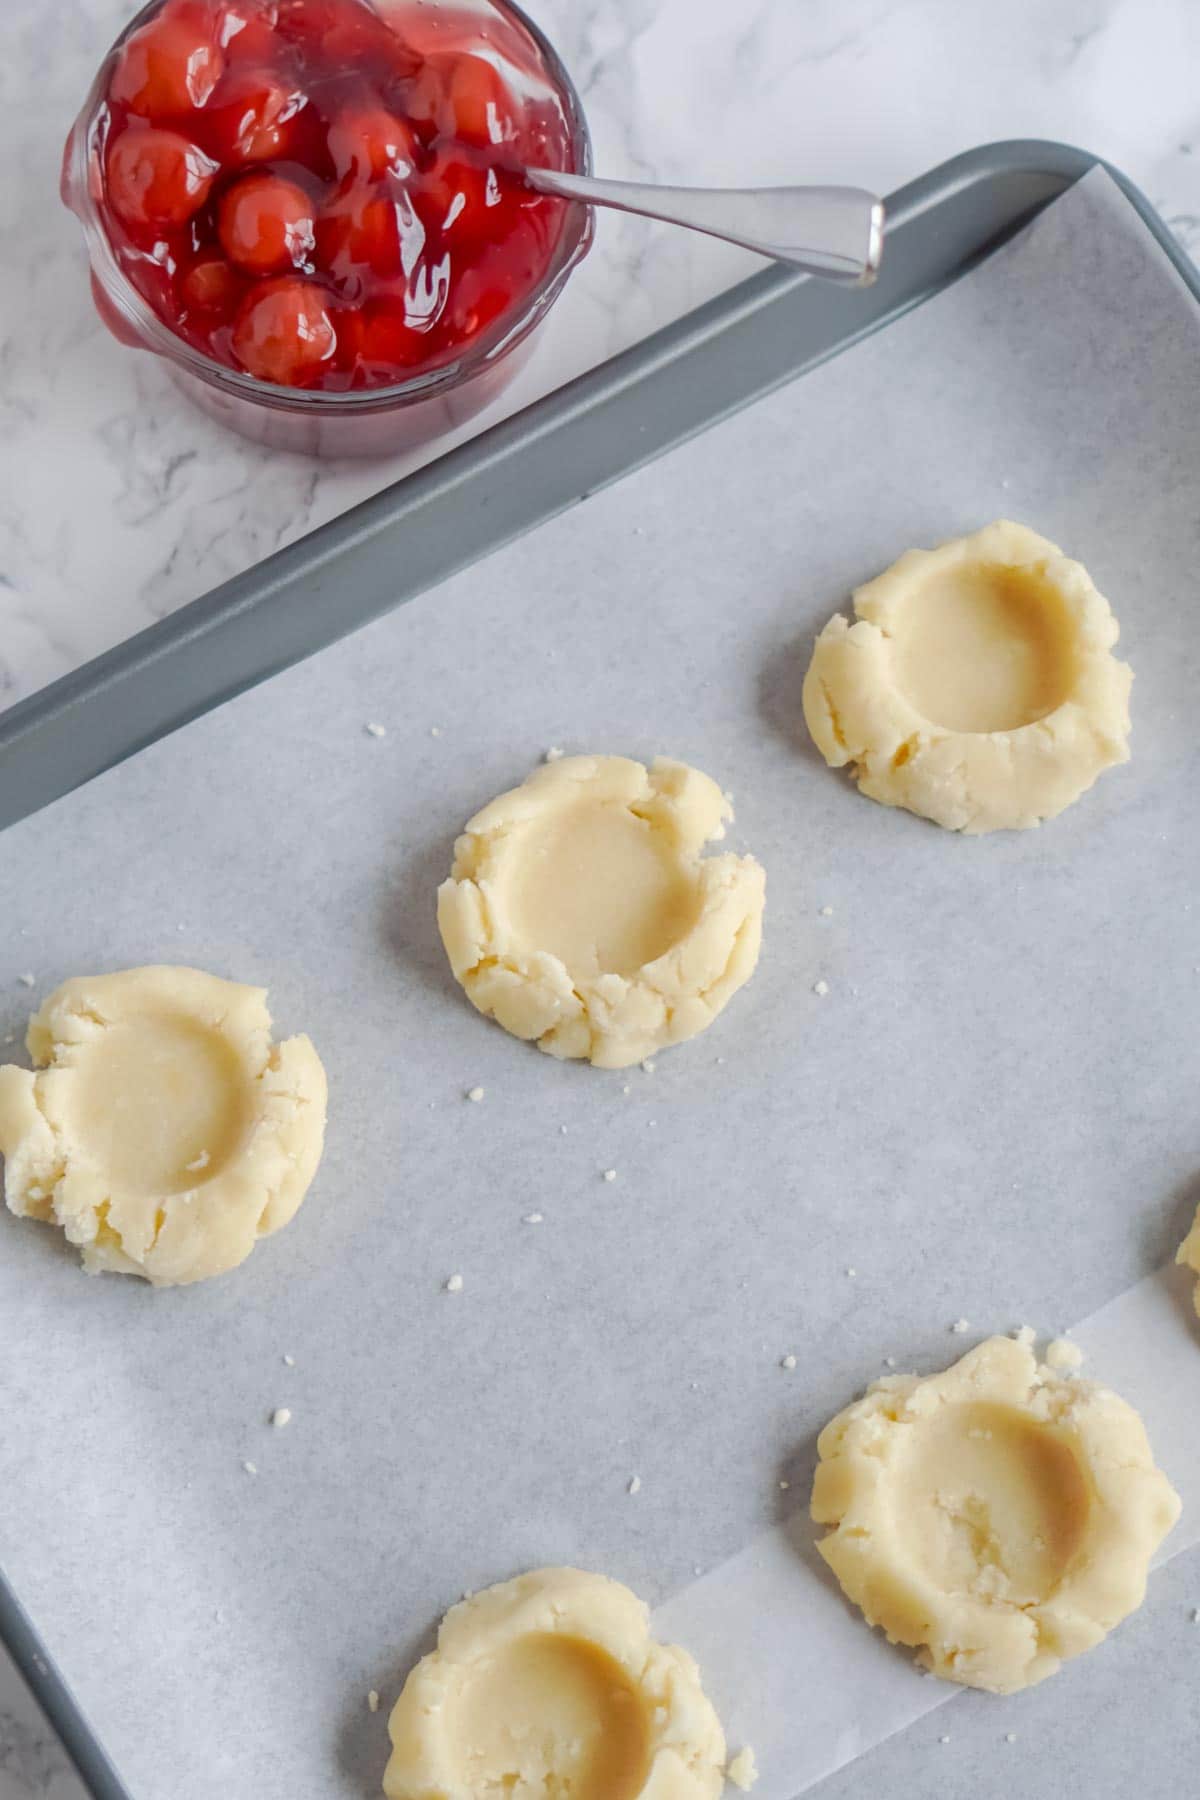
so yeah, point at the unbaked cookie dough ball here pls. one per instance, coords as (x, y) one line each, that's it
(581, 913)
(552, 1684)
(163, 1131)
(999, 1517)
(977, 685)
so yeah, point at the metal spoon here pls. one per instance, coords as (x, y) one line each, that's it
(834, 232)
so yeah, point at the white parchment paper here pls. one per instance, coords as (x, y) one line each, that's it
(991, 1114)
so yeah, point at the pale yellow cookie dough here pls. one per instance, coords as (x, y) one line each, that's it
(996, 1516)
(552, 1685)
(977, 686)
(1189, 1256)
(164, 1131)
(581, 913)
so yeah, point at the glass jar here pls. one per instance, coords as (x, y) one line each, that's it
(360, 421)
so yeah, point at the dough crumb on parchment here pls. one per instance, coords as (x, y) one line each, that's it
(742, 1769)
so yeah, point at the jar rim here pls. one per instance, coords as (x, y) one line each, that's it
(489, 348)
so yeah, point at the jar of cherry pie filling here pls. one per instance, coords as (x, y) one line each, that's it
(314, 210)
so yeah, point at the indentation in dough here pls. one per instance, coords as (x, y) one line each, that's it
(976, 685)
(990, 1502)
(550, 1715)
(155, 1094)
(984, 647)
(596, 887)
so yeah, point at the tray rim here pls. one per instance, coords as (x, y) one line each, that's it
(73, 698)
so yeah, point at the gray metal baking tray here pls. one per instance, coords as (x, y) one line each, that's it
(599, 427)
(437, 521)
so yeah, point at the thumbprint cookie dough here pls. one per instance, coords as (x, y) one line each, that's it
(581, 913)
(1189, 1256)
(162, 1129)
(998, 1517)
(977, 685)
(552, 1684)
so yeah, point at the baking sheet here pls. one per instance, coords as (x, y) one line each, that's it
(990, 1115)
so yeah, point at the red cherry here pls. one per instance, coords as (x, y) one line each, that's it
(210, 285)
(477, 301)
(265, 223)
(157, 177)
(284, 332)
(252, 121)
(170, 65)
(484, 110)
(390, 346)
(495, 281)
(464, 201)
(368, 142)
(246, 28)
(360, 234)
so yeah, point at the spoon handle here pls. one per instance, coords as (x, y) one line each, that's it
(834, 232)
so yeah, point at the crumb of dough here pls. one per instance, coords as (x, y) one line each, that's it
(280, 1417)
(435, 731)
(373, 1701)
(820, 989)
(553, 1684)
(289, 1362)
(375, 731)
(960, 1326)
(976, 685)
(161, 1129)
(995, 1517)
(454, 1284)
(742, 1770)
(610, 1174)
(1062, 1355)
(827, 912)
(476, 1094)
(582, 914)
(250, 1468)
(635, 1484)
(532, 1219)
(553, 754)
(851, 1274)
(787, 1362)
(26, 980)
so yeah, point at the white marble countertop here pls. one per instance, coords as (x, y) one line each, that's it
(118, 502)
